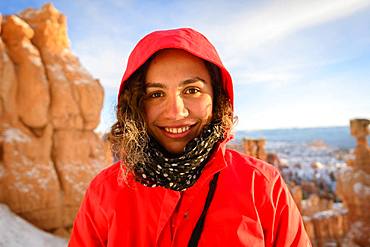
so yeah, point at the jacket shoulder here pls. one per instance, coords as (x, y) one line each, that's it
(251, 165)
(106, 175)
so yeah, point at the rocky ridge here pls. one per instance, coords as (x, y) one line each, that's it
(328, 222)
(49, 107)
(353, 186)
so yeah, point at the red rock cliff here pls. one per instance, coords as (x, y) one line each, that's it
(49, 107)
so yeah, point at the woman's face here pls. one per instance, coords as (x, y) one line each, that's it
(178, 100)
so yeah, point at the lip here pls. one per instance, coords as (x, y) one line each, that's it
(183, 130)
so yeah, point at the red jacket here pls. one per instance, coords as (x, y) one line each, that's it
(251, 205)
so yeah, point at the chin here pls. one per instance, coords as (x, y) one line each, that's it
(174, 147)
(175, 150)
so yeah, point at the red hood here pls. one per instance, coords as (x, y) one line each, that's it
(183, 38)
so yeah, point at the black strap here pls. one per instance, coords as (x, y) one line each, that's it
(195, 236)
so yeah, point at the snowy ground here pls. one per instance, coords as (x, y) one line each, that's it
(307, 153)
(308, 162)
(16, 232)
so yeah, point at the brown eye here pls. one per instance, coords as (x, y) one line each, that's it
(192, 90)
(155, 94)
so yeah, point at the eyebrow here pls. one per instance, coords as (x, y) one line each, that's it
(185, 82)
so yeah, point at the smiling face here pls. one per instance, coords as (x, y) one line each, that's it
(178, 100)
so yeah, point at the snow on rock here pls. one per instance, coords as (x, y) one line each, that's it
(15, 135)
(36, 61)
(55, 71)
(357, 230)
(20, 22)
(27, 45)
(330, 213)
(44, 91)
(361, 189)
(16, 232)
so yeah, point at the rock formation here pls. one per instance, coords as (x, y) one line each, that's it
(274, 160)
(329, 226)
(49, 107)
(314, 204)
(353, 186)
(255, 148)
(326, 223)
(297, 194)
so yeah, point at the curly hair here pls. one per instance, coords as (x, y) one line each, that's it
(128, 135)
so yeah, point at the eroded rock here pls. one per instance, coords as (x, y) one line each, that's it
(73, 89)
(353, 186)
(49, 107)
(255, 148)
(33, 97)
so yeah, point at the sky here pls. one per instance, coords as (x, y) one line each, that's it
(294, 64)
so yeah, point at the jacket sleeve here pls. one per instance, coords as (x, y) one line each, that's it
(285, 225)
(90, 224)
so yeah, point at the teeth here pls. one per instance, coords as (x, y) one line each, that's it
(177, 130)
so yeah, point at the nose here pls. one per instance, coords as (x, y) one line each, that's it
(176, 108)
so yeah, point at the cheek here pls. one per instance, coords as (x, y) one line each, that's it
(203, 109)
(149, 113)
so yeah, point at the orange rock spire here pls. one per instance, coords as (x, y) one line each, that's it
(49, 107)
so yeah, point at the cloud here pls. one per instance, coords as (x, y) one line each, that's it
(269, 43)
(328, 100)
(250, 28)
(104, 59)
(266, 46)
(237, 35)
(273, 79)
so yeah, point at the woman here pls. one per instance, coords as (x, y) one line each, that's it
(176, 184)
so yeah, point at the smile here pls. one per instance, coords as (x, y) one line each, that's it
(177, 130)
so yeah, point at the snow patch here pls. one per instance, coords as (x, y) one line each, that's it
(36, 61)
(77, 69)
(16, 232)
(358, 230)
(56, 71)
(43, 175)
(70, 68)
(83, 75)
(327, 214)
(23, 187)
(20, 22)
(29, 176)
(338, 206)
(27, 45)
(361, 175)
(35, 58)
(66, 52)
(5, 57)
(97, 164)
(72, 171)
(306, 218)
(15, 135)
(303, 162)
(82, 81)
(361, 189)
